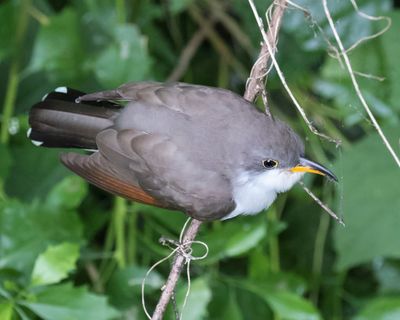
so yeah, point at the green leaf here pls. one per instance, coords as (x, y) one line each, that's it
(27, 230)
(337, 85)
(351, 28)
(68, 194)
(391, 48)
(58, 48)
(125, 59)
(290, 306)
(65, 302)
(382, 308)
(234, 237)
(387, 273)
(177, 6)
(6, 310)
(173, 220)
(199, 297)
(283, 296)
(34, 172)
(231, 311)
(125, 285)
(55, 263)
(370, 174)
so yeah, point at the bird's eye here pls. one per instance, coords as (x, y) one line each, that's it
(270, 164)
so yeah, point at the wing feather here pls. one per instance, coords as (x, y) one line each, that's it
(95, 170)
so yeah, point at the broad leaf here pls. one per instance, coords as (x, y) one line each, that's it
(197, 301)
(34, 172)
(27, 230)
(371, 202)
(68, 194)
(382, 308)
(387, 273)
(65, 302)
(283, 297)
(351, 28)
(55, 263)
(125, 59)
(125, 285)
(233, 238)
(290, 306)
(391, 48)
(6, 310)
(59, 48)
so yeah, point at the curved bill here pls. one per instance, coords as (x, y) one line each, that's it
(306, 165)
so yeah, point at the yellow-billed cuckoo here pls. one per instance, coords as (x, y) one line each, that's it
(202, 150)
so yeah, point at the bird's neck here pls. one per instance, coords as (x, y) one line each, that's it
(254, 191)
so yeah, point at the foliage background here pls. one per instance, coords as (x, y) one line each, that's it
(70, 251)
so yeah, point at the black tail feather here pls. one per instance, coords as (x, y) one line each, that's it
(59, 121)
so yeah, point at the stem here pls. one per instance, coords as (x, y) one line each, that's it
(13, 76)
(132, 232)
(337, 302)
(188, 53)
(356, 85)
(258, 73)
(120, 9)
(217, 42)
(273, 240)
(108, 246)
(39, 16)
(119, 216)
(176, 269)
(318, 256)
(195, 224)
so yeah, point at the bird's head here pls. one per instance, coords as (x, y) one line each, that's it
(279, 161)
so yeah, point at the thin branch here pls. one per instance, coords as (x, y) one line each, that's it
(356, 86)
(217, 42)
(176, 270)
(189, 51)
(94, 277)
(255, 83)
(271, 49)
(220, 11)
(321, 204)
(258, 73)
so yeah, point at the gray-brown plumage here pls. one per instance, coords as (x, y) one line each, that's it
(175, 145)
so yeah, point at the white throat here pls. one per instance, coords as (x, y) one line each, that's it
(253, 192)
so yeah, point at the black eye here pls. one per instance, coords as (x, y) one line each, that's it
(270, 164)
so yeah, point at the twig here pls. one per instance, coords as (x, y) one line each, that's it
(176, 269)
(257, 74)
(230, 24)
(189, 51)
(255, 83)
(217, 42)
(355, 84)
(271, 50)
(371, 18)
(14, 72)
(94, 277)
(321, 204)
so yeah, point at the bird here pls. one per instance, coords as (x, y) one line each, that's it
(201, 150)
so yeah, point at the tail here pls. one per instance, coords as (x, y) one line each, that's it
(58, 121)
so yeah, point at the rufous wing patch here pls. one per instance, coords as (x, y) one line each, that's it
(103, 179)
